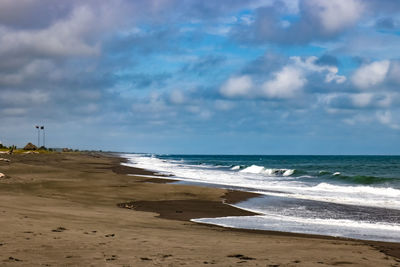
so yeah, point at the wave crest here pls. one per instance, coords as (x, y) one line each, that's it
(269, 172)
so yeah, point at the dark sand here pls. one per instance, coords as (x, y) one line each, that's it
(184, 210)
(61, 209)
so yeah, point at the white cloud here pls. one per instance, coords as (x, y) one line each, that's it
(333, 77)
(237, 86)
(310, 65)
(219, 30)
(177, 97)
(371, 74)
(335, 15)
(386, 100)
(386, 118)
(373, 100)
(362, 100)
(14, 111)
(246, 19)
(285, 84)
(16, 98)
(63, 38)
(153, 107)
(224, 105)
(34, 69)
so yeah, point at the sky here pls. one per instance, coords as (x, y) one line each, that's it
(202, 77)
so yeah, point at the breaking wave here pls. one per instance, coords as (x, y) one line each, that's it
(270, 172)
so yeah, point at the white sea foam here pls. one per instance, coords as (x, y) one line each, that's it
(306, 176)
(153, 176)
(331, 222)
(235, 168)
(288, 172)
(379, 191)
(257, 179)
(270, 172)
(344, 228)
(254, 169)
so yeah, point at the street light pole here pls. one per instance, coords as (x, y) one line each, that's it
(38, 135)
(44, 136)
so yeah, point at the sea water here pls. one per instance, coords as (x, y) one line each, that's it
(346, 196)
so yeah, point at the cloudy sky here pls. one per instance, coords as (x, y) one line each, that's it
(194, 76)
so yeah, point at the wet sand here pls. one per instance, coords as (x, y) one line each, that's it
(65, 209)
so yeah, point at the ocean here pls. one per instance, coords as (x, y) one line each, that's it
(345, 196)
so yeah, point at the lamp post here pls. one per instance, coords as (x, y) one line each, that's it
(38, 135)
(44, 136)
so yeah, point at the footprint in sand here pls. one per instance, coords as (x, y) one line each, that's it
(112, 258)
(59, 229)
(13, 259)
(241, 257)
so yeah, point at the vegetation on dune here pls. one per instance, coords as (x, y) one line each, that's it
(28, 148)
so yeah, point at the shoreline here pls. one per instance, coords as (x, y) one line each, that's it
(61, 209)
(165, 211)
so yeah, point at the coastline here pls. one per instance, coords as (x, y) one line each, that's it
(61, 208)
(232, 197)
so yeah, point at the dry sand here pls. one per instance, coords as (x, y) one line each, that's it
(63, 209)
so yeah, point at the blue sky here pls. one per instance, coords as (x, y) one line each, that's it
(210, 77)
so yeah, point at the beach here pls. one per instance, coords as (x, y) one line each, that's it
(85, 209)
